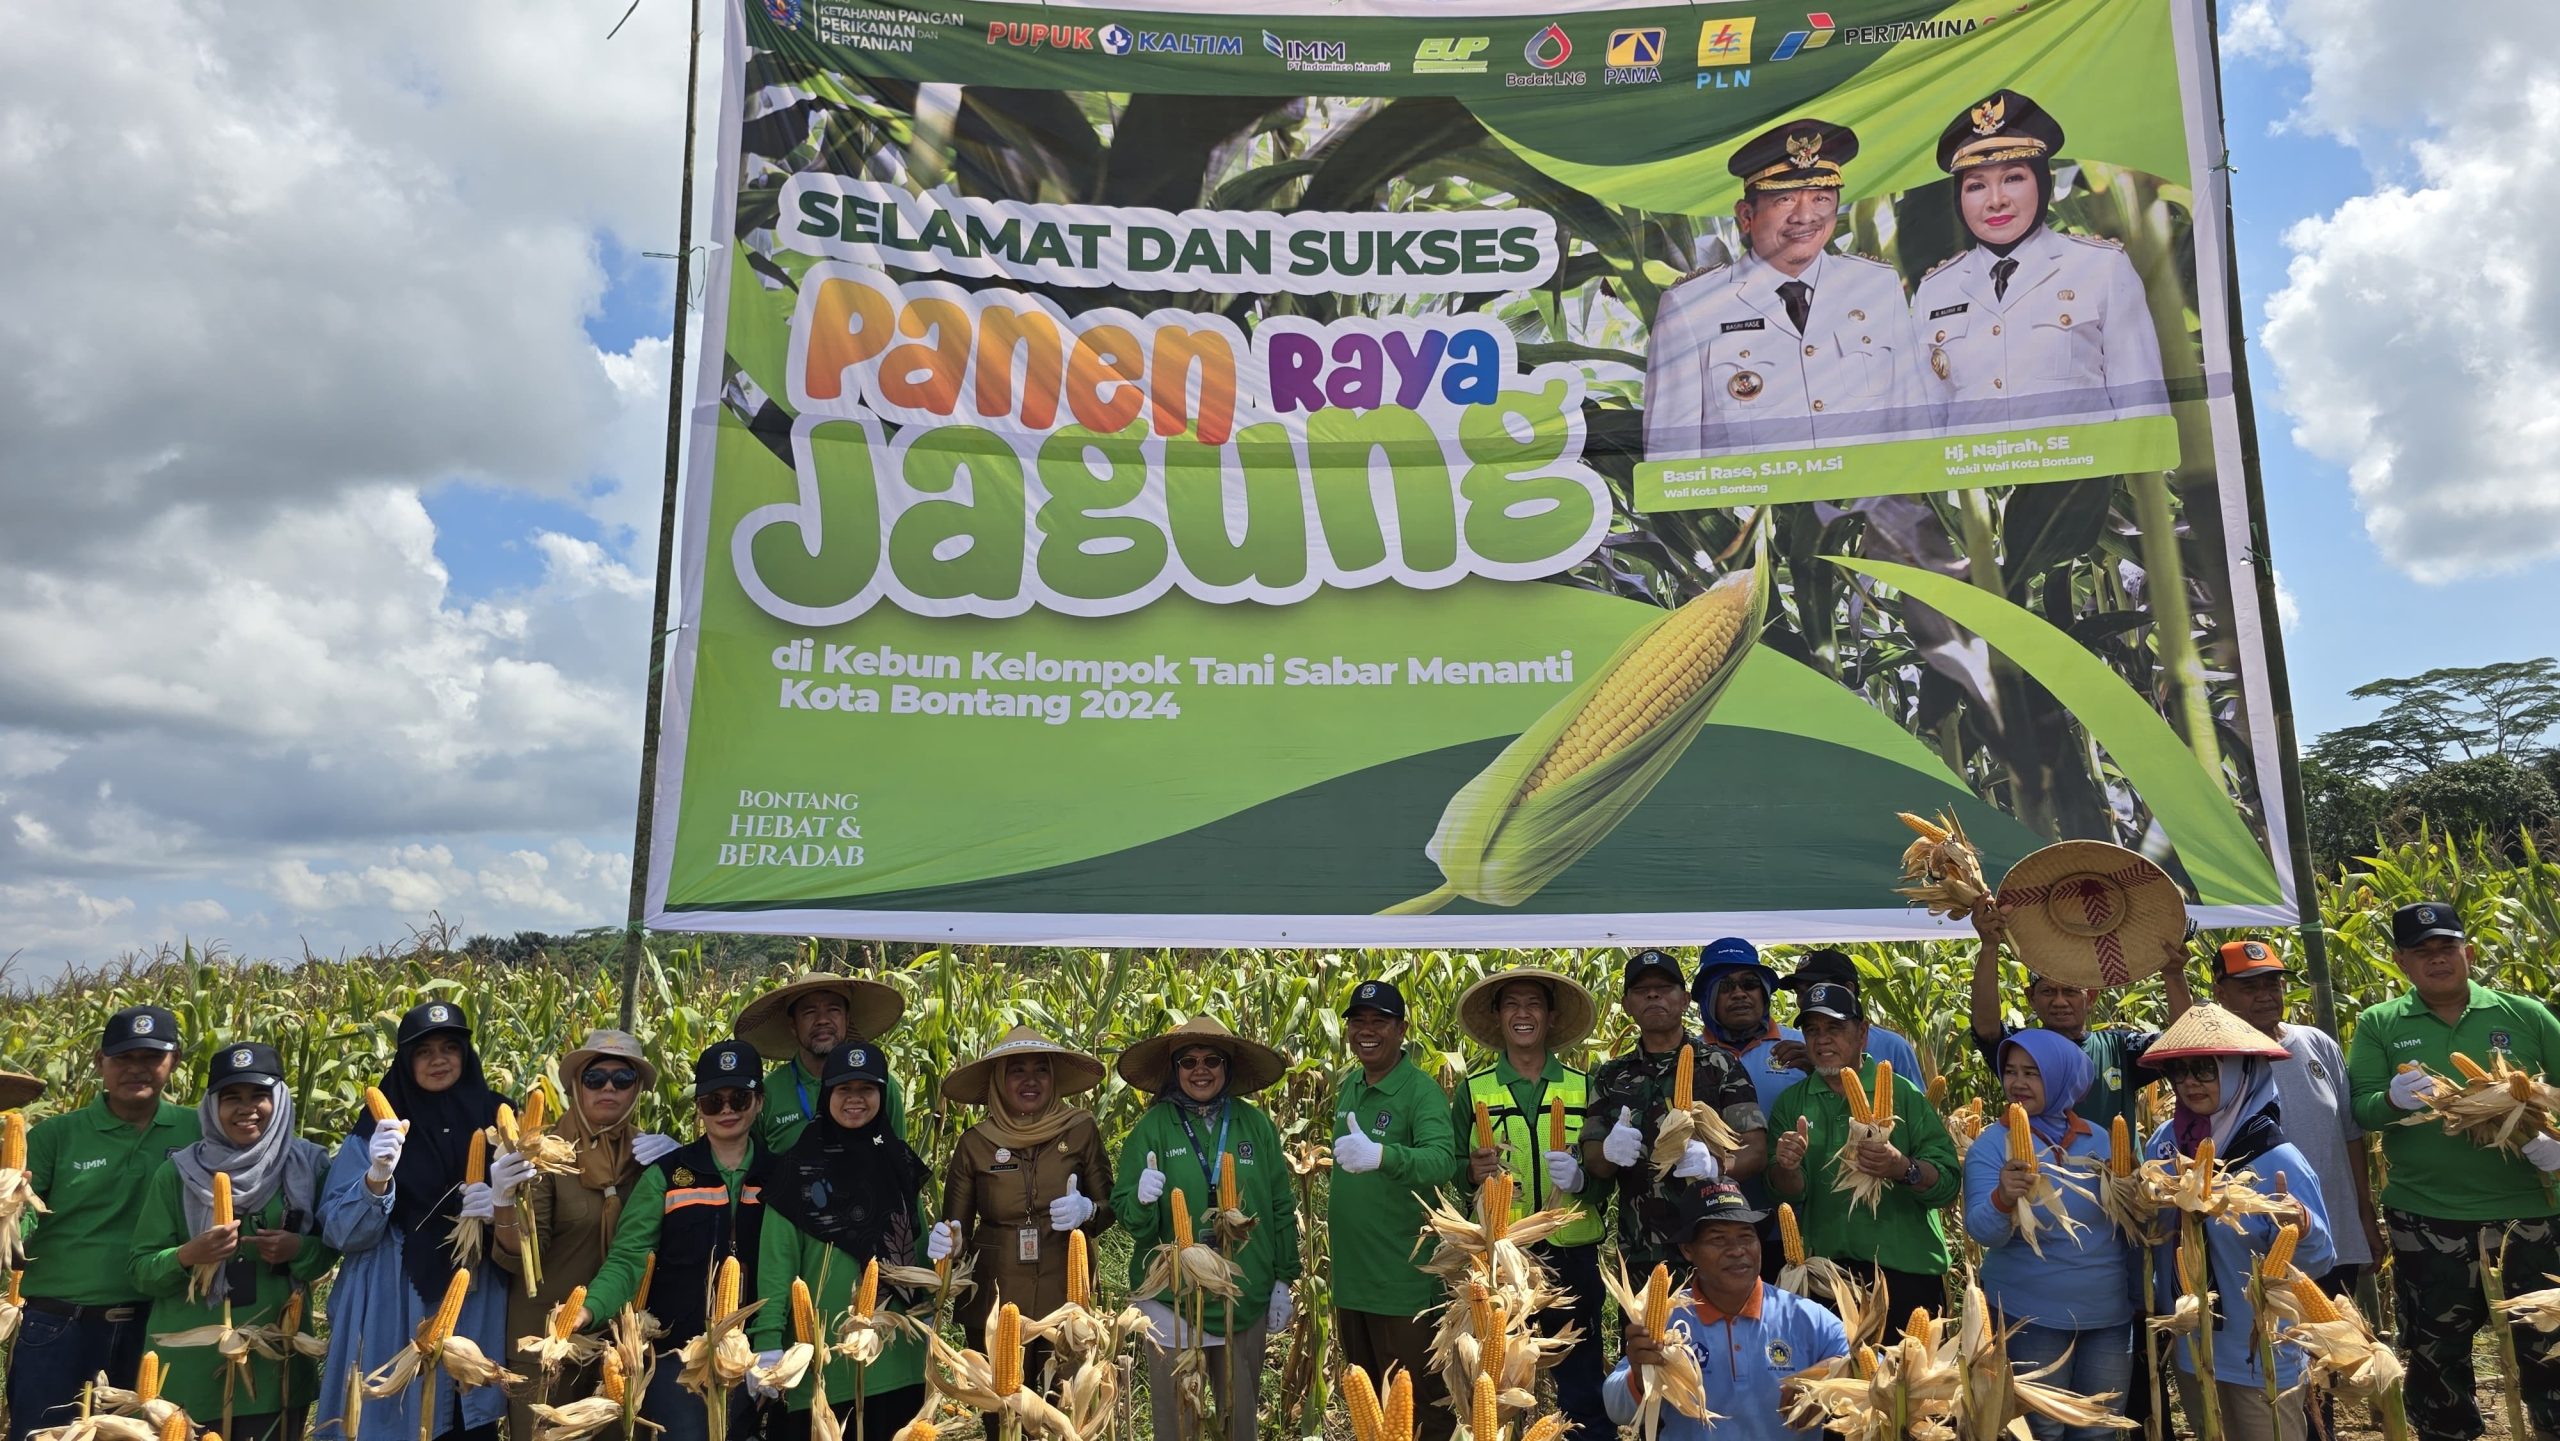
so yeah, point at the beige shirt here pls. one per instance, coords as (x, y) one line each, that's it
(569, 1222)
(998, 1194)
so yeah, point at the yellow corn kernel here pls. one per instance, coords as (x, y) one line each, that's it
(2204, 1156)
(13, 1142)
(2120, 1148)
(1487, 1416)
(615, 1387)
(506, 1122)
(2470, 1069)
(1555, 1124)
(1918, 1324)
(2279, 1258)
(1181, 1220)
(1684, 1080)
(2313, 1302)
(804, 1313)
(1641, 692)
(173, 1427)
(1854, 1091)
(1399, 1407)
(1360, 1398)
(919, 1430)
(1498, 1190)
(1229, 1197)
(1484, 1127)
(1548, 1428)
(379, 1104)
(1079, 1270)
(1884, 1093)
(724, 1288)
(1867, 1362)
(1657, 1301)
(2022, 1142)
(222, 1198)
(449, 1313)
(1930, 829)
(866, 1296)
(531, 1117)
(1937, 1092)
(565, 1320)
(648, 1273)
(1004, 1345)
(1494, 1342)
(1790, 1234)
(146, 1382)
(475, 1161)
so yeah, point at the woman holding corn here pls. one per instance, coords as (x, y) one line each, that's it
(574, 1212)
(227, 1230)
(847, 1194)
(389, 1205)
(1199, 1140)
(2070, 1291)
(2227, 1119)
(1022, 1178)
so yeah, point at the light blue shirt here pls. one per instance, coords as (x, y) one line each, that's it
(2080, 1283)
(1743, 1358)
(2233, 1359)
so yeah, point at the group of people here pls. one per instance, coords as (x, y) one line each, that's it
(1796, 343)
(801, 1170)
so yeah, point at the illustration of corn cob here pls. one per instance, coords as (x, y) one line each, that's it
(1566, 782)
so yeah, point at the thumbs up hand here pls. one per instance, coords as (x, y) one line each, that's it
(1150, 1183)
(1070, 1211)
(1354, 1151)
(1624, 1144)
(1788, 1155)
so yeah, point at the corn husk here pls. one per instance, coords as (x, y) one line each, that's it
(2343, 1353)
(1492, 1244)
(1677, 1382)
(1863, 1189)
(1942, 867)
(1997, 1399)
(1965, 1123)
(969, 1378)
(2046, 1198)
(13, 1308)
(2499, 1105)
(2537, 1309)
(461, 1358)
(1698, 1122)
(19, 1204)
(1487, 1331)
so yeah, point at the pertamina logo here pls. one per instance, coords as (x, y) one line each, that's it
(1032, 35)
(1724, 54)
(1634, 57)
(1548, 48)
(1451, 55)
(1816, 34)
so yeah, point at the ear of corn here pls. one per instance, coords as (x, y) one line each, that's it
(1079, 1270)
(1229, 1197)
(1566, 782)
(1790, 1235)
(1360, 1398)
(2120, 1148)
(1487, 1417)
(173, 1427)
(724, 1288)
(2204, 1156)
(1657, 1301)
(449, 1312)
(146, 1382)
(1925, 827)
(567, 1319)
(1494, 1341)
(1917, 1324)
(1854, 1091)
(1937, 1092)
(1555, 1124)
(290, 1323)
(506, 1121)
(1399, 1407)
(1684, 1079)
(2022, 1142)
(222, 1198)
(1498, 1190)
(2520, 1086)
(2313, 1302)
(615, 1388)
(1884, 1093)
(475, 1161)
(1547, 1428)
(866, 1297)
(2471, 1070)
(2279, 1258)
(532, 1116)
(1867, 1362)
(379, 1104)
(1004, 1343)
(1484, 1127)
(804, 1313)
(13, 1142)
(648, 1274)
(1181, 1219)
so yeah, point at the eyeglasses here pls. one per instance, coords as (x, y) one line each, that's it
(713, 1103)
(2201, 1068)
(1202, 1061)
(619, 1078)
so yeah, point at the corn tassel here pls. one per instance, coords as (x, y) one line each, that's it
(1079, 1270)
(2119, 1148)
(146, 1382)
(615, 1388)
(1005, 1341)
(222, 1215)
(1181, 1221)
(1790, 1235)
(448, 1312)
(475, 1161)
(1487, 1418)
(1854, 1091)
(379, 1104)
(13, 1142)
(1484, 1127)
(648, 1273)
(1884, 1093)
(866, 1297)
(2022, 1142)
(2471, 1070)
(804, 1313)
(724, 1289)
(1229, 1197)
(567, 1320)
(1657, 1301)
(1555, 1124)
(1360, 1398)
(1684, 1080)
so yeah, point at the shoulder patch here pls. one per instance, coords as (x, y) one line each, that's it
(1861, 259)
(1701, 271)
(1943, 264)
(2100, 241)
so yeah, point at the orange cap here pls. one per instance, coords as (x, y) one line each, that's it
(2246, 958)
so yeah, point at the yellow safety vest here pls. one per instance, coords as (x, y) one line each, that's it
(1524, 1139)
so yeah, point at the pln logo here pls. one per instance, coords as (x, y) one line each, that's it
(1724, 54)
(1548, 48)
(1816, 34)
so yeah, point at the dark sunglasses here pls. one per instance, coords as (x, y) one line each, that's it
(713, 1103)
(1202, 1061)
(620, 1078)
(2199, 1068)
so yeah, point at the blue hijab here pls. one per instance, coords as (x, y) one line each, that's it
(2067, 1075)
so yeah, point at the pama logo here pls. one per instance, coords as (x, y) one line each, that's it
(1548, 48)
(1816, 34)
(785, 13)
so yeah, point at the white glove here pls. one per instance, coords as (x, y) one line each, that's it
(1283, 1307)
(1355, 1152)
(1697, 1163)
(2409, 1089)
(2544, 1152)
(1150, 1183)
(1624, 1144)
(1071, 1210)
(1564, 1172)
(478, 1200)
(757, 1386)
(508, 1171)
(648, 1148)
(382, 1153)
(942, 1241)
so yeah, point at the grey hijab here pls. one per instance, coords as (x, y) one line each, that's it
(278, 1162)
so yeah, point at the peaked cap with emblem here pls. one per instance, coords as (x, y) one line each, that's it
(2001, 128)
(870, 1008)
(428, 1017)
(731, 1065)
(1799, 155)
(1251, 1065)
(974, 1083)
(17, 1088)
(2087, 913)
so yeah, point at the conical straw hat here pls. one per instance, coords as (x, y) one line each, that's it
(1251, 1065)
(17, 1089)
(871, 1010)
(1073, 1069)
(2086, 913)
(2209, 1030)
(1575, 1011)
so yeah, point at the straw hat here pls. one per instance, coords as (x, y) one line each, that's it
(1251, 1065)
(2086, 913)
(871, 1010)
(1575, 1012)
(604, 1045)
(2209, 1030)
(971, 1084)
(17, 1089)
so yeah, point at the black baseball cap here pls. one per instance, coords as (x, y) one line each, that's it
(858, 1061)
(728, 1066)
(242, 1062)
(139, 1028)
(1379, 996)
(1830, 998)
(1653, 959)
(428, 1017)
(1696, 1206)
(1825, 964)
(2415, 925)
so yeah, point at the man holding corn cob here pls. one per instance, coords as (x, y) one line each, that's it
(90, 1168)
(1393, 1149)
(2450, 1206)
(1631, 1094)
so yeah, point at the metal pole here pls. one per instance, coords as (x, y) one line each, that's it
(633, 945)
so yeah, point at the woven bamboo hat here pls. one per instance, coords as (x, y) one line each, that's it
(871, 1010)
(972, 1084)
(2086, 913)
(18, 1088)
(1575, 1011)
(606, 1045)
(2209, 1030)
(1251, 1065)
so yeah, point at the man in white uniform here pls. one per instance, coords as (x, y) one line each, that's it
(1794, 343)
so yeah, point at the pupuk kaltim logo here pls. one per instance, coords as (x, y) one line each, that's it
(1033, 35)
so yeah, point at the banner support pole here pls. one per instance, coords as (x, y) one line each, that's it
(634, 945)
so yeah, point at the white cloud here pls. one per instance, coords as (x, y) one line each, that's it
(2417, 337)
(2250, 30)
(2288, 609)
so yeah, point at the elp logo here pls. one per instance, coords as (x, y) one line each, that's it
(1447, 55)
(1636, 47)
(1815, 35)
(1725, 42)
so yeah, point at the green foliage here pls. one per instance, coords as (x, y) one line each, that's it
(2452, 712)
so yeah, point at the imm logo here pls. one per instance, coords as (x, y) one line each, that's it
(1816, 34)
(1548, 48)
(1307, 52)
(1447, 55)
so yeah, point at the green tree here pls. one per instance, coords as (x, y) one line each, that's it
(2449, 713)
(2345, 815)
(2490, 794)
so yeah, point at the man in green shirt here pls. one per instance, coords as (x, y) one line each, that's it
(2447, 1202)
(84, 1315)
(1392, 1151)
(804, 1021)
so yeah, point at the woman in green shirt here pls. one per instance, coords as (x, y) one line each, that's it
(268, 1252)
(850, 1191)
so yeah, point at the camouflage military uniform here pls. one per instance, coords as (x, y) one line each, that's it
(2442, 1307)
(1641, 1082)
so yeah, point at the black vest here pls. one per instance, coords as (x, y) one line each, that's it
(699, 1230)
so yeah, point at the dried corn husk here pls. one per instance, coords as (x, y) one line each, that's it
(1677, 1382)
(2498, 1105)
(2047, 1192)
(1996, 1398)
(1965, 1123)
(1942, 866)
(18, 1199)
(970, 1378)
(1868, 1120)
(459, 1355)
(2537, 1309)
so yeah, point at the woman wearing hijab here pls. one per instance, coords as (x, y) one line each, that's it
(2077, 1297)
(1200, 1073)
(2218, 1066)
(847, 1193)
(388, 1205)
(1022, 1178)
(574, 1213)
(267, 1254)
(2029, 325)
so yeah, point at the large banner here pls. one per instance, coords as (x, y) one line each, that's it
(1457, 471)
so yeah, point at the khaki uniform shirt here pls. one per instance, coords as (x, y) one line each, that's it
(997, 1195)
